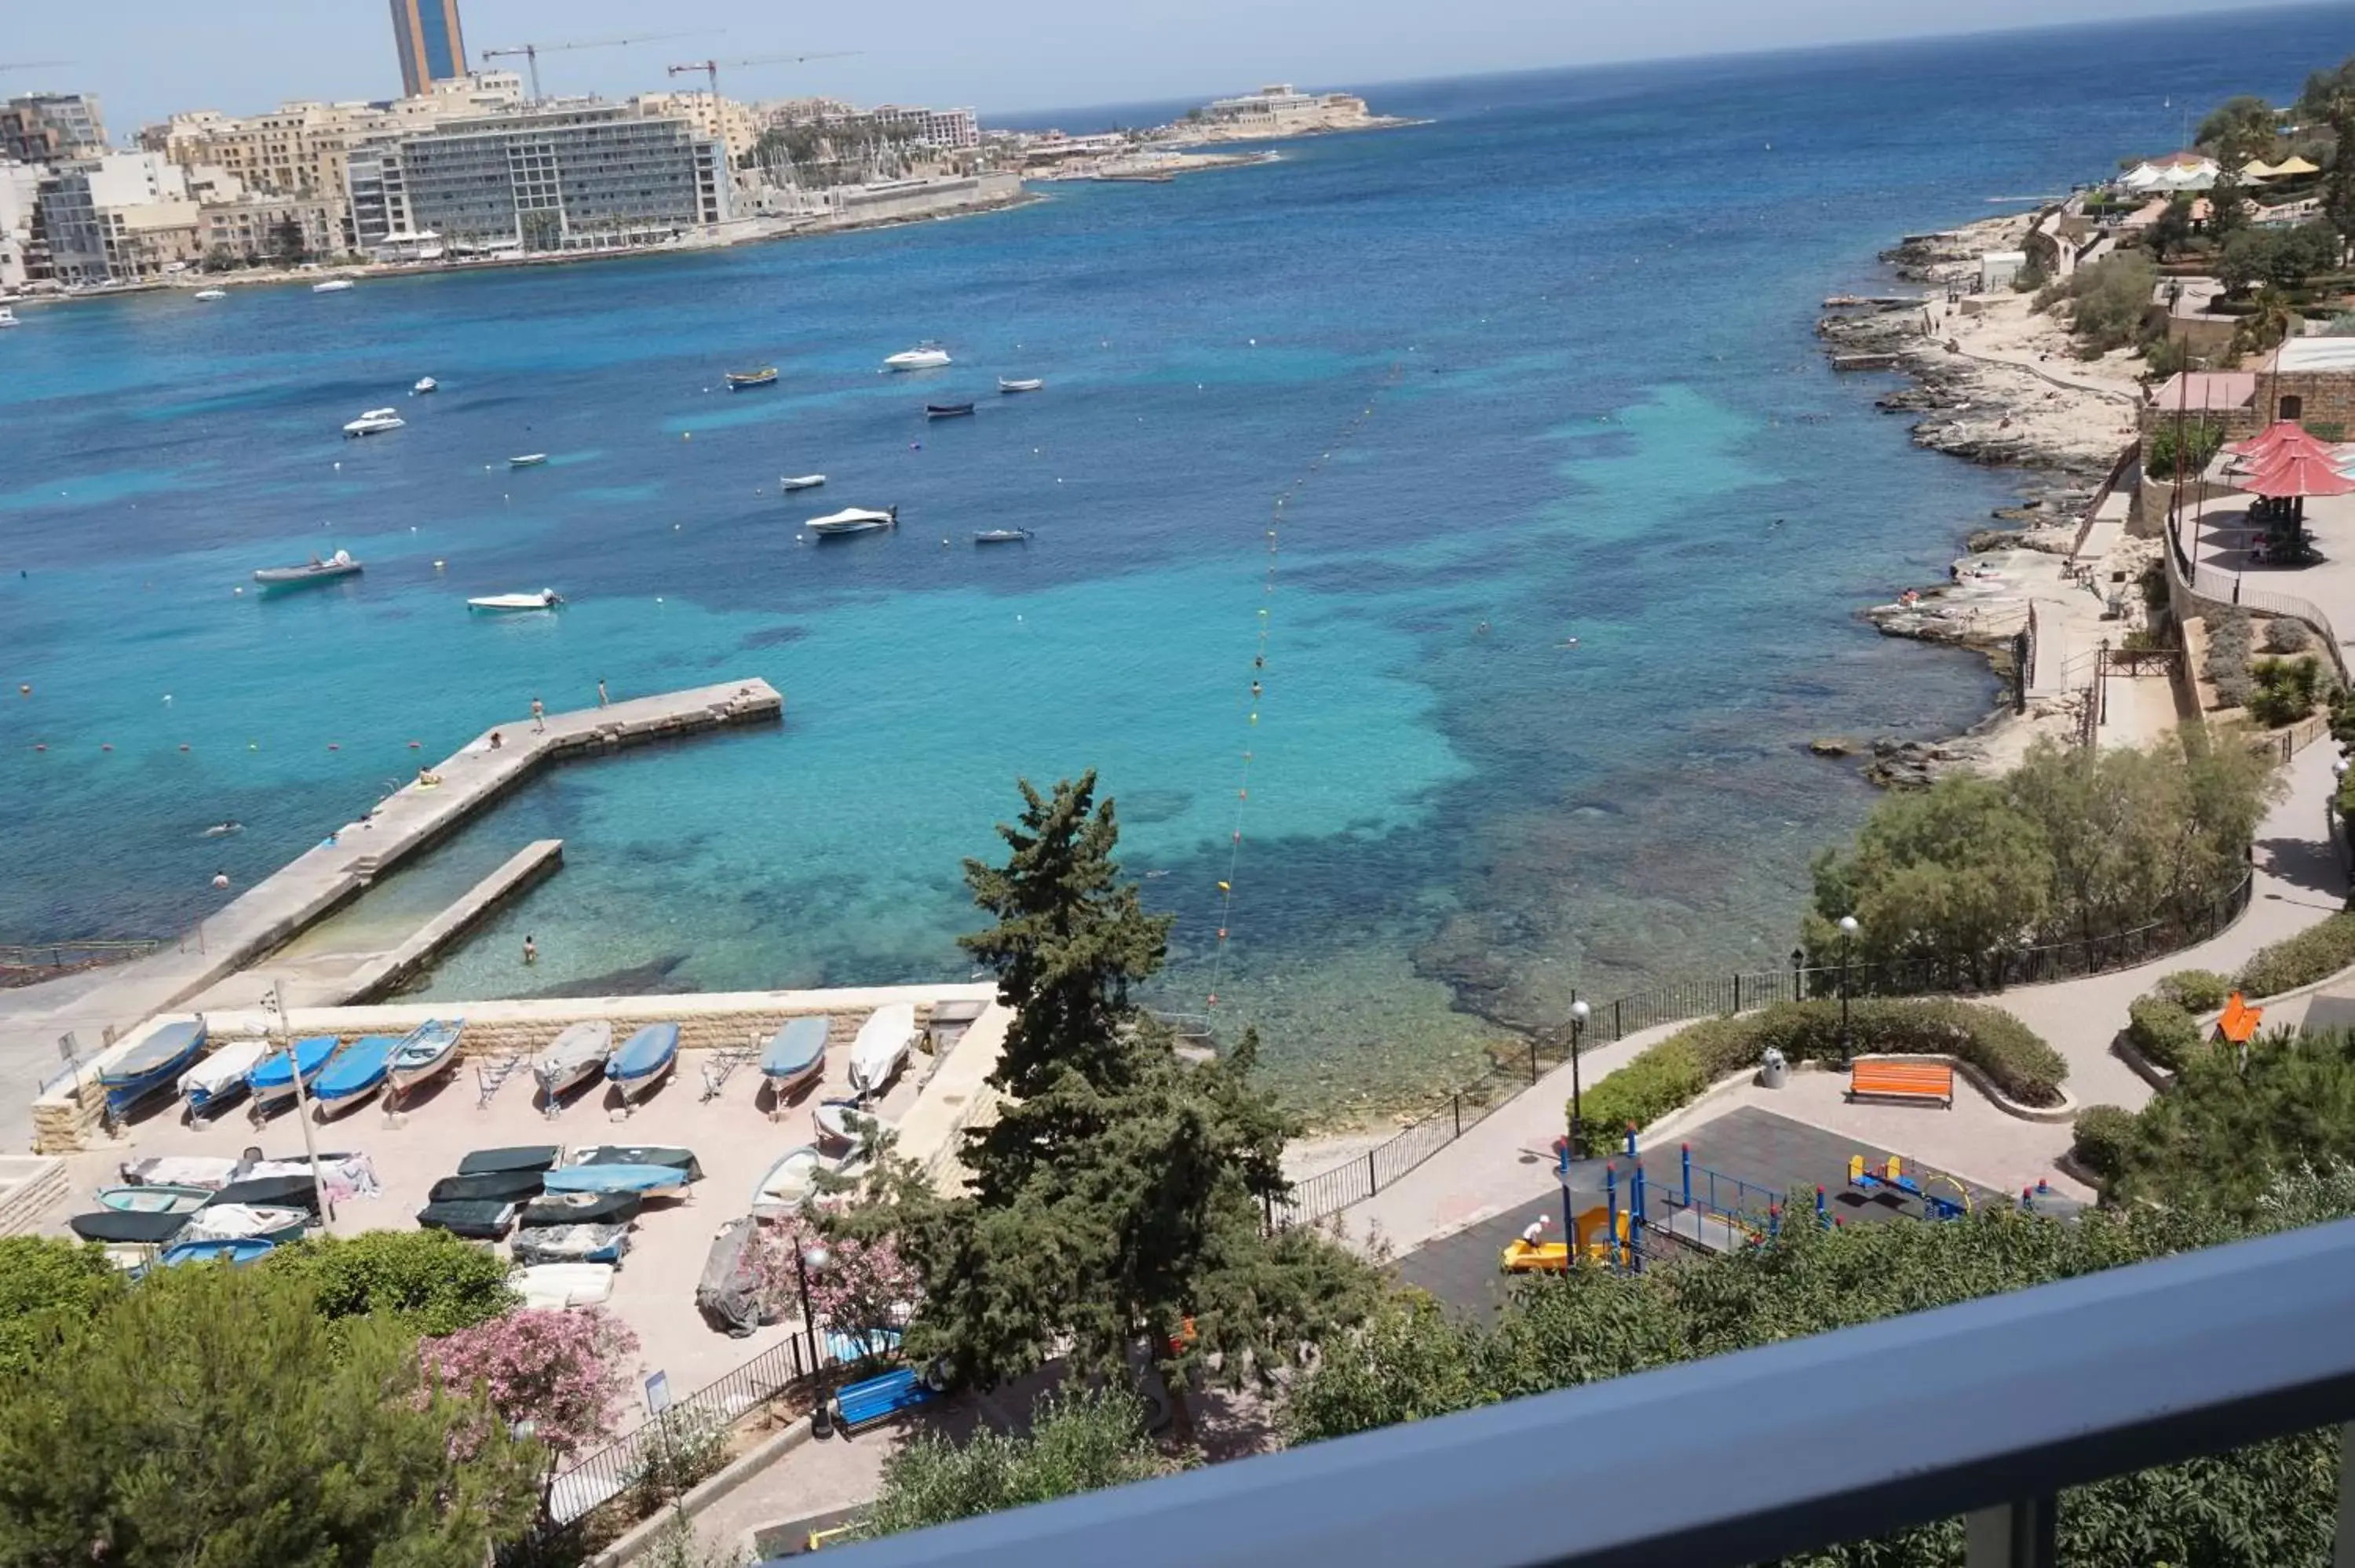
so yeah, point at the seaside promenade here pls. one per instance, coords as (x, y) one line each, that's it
(331, 872)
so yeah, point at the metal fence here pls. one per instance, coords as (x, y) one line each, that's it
(62, 955)
(1329, 1191)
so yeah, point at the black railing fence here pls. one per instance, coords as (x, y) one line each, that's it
(1684, 1000)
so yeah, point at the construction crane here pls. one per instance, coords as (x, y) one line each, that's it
(34, 65)
(710, 68)
(531, 52)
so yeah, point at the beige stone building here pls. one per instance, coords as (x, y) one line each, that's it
(715, 117)
(259, 227)
(300, 149)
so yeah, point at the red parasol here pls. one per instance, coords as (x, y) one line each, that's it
(2294, 473)
(2280, 435)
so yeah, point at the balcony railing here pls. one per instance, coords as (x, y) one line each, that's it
(1984, 1411)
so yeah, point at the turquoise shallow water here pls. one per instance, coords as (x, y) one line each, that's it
(1577, 306)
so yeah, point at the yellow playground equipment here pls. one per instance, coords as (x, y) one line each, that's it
(1523, 1255)
(1893, 1176)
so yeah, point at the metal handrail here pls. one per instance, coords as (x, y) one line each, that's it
(2002, 1403)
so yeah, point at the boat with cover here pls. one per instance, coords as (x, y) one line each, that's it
(316, 571)
(795, 1055)
(522, 1157)
(154, 1063)
(557, 1208)
(112, 1227)
(425, 1052)
(923, 356)
(570, 1243)
(476, 1219)
(551, 1287)
(577, 1052)
(272, 1080)
(425, 383)
(375, 422)
(154, 1200)
(237, 1222)
(209, 295)
(947, 411)
(852, 520)
(668, 1154)
(845, 1125)
(789, 1183)
(744, 380)
(1031, 385)
(218, 1078)
(509, 1186)
(510, 603)
(793, 481)
(884, 1043)
(729, 1294)
(1001, 535)
(236, 1251)
(289, 1191)
(528, 460)
(641, 1061)
(332, 286)
(353, 1076)
(617, 1179)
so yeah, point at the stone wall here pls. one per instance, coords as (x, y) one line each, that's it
(2323, 397)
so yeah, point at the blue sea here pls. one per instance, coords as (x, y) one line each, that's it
(1573, 524)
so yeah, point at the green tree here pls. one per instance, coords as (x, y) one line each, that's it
(47, 1285)
(2338, 187)
(2109, 298)
(2240, 129)
(1956, 872)
(1079, 1442)
(2172, 230)
(2248, 259)
(2325, 88)
(432, 1281)
(2273, 319)
(2228, 1128)
(211, 1418)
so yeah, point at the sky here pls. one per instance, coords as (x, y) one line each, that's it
(146, 58)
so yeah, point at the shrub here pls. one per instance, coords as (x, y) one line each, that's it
(2283, 635)
(1678, 1069)
(2108, 299)
(2194, 990)
(687, 1446)
(2104, 1133)
(2163, 1031)
(2227, 665)
(47, 1285)
(2287, 689)
(2314, 954)
(434, 1282)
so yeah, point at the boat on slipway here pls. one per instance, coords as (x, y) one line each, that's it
(789, 1183)
(577, 1052)
(155, 1063)
(339, 564)
(852, 520)
(745, 380)
(236, 1252)
(617, 1179)
(845, 1125)
(795, 1057)
(272, 1081)
(424, 1054)
(641, 1061)
(353, 1076)
(218, 1078)
(156, 1199)
(923, 356)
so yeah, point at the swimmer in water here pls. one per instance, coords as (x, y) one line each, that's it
(221, 829)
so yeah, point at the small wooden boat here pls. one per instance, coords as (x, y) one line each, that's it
(516, 603)
(852, 520)
(112, 1227)
(154, 1200)
(236, 1252)
(795, 1055)
(1032, 385)
(424, 1054)
(339, 564)
(220, 1077)
(528, 460)
(793, 481)
(242, 1221)
(742, 380)
(272, 1081)
(353, 1076)
(154, 1063)
(577, 1052)
(1001, 535)
(556, 1209)
(571, 1244)
(551, 1287)
(845, 1125)
(617, 1179)
(789, 1183)
(947, 411)
(476, 1219)
(641, 1061)
(884, 1043)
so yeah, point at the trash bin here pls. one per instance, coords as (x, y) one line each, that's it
(1773, 1071)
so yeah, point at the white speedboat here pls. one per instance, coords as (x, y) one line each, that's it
(528, 460)
(852, 520)
(793, 481)
(923, 356)
(546, 598)
(332, 286)
(8, 317)
(375, 421)
(425, 383)
(339, 564)
(209, 295)
(1032, 385)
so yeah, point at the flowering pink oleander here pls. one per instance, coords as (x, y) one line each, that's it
(567, 1372)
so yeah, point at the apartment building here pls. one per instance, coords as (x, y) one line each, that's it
(121, 216)
(45, 127)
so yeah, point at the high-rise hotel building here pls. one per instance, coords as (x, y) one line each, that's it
(432, 47)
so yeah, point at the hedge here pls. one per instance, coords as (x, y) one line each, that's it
(2314, 954)
(2163, 1031)
(2104, 1133)
(2194, 990)
(1675, 1072)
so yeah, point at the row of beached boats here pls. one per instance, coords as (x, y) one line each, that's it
(337, 1077)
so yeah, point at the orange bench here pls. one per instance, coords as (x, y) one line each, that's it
(1887, 1080)
(2238, 1024)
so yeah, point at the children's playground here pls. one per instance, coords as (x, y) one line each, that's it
(1734, 1180)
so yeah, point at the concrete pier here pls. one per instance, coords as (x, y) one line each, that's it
(335, 870)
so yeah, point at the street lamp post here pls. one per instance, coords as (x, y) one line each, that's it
(808, 1260)
(1579, 1013)
(1848, 948)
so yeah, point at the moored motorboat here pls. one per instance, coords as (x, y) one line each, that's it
(639, 1062)
(923, 356)
(218, 1078)
(508, 603)
(1001, 535)
(577, 1052)
(793, 481)
(794, 1057)
(339, 564)
(425, 1052)
(1031, 385)
(154, 1063)
(8, 317)
(375, 422)
(425, 383)
(845, 1125)
(353, 1076)
(157, 1200)
(210, 295)
(884, 1043)
(528, 460)
(744, 380)
(852, 520)
(332, 286)
(789, 1183)
(947, 411)
(272, 1080)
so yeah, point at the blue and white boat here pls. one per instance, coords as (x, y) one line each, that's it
(272, 1081)
(424, 1054)
(155, 1063)
(238, 1250)
(617, 1179)
(639, 1062)
(353, 1076)
(795, 1055)
(218, 1076)
(154, 1200)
